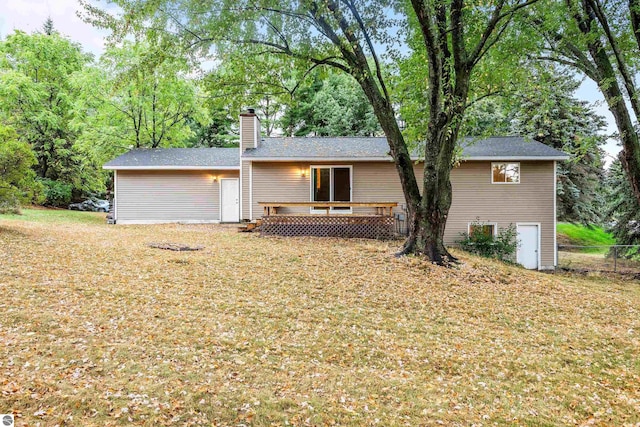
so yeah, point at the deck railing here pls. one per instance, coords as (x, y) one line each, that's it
(271, 208)
(333, 223)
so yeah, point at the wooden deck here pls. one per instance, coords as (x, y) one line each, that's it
(378, 225)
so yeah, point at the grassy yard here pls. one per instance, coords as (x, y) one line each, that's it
(574, 234)
(98, 329)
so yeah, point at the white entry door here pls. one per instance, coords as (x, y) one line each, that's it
(528, 238)
(229, 200)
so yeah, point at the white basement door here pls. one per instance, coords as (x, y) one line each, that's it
(528, 245)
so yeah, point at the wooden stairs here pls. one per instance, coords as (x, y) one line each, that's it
(250, 227)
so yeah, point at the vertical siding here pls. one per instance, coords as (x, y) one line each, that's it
(473, 194)
(169, 195)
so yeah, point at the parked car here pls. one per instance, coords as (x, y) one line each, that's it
(93, 205)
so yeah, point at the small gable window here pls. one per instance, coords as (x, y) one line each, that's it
(505, 173)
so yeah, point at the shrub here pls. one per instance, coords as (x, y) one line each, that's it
(502, 246)
(56, 193)
(9, 201)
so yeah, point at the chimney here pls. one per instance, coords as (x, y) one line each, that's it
(249, 130)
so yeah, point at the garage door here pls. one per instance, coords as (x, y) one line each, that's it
(166, 196)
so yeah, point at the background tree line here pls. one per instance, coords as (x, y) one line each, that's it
(422, 73)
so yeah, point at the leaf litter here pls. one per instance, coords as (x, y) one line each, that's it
(98, 329)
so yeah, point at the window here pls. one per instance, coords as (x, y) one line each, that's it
(505, 173)
(483, 229)
(331, 184)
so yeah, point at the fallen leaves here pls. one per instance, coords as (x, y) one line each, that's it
(99, 329)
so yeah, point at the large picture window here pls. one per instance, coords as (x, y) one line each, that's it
(505, 173)
(331, 184)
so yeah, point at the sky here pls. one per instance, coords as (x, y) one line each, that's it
(29, 15)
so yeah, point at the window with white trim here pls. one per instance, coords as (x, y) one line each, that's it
(484, 229)
(505, 173)
(331, 184)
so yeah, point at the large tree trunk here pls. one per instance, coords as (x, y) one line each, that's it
(427, 213)
(605, 76)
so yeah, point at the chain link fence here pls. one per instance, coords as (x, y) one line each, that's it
(624, 259)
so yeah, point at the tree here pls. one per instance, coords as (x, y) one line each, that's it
(335, 106)
(548, 112)
(349, 36)
(17, 178)
(623, 209)
(37, 98)
(601, 40)
(138, 96)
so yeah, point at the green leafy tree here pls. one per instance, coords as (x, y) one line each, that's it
(455, 40)
(334, 106)
(37, 100)
(602, 41)
(139, 95)
(17, 178)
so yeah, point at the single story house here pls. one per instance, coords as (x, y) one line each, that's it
(500, 181)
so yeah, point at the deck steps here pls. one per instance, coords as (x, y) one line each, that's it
(250, 227)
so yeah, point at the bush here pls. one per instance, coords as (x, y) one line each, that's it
(56, 193)
(503, 246)
(9, 201)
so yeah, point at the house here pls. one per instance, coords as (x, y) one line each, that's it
(500, 181)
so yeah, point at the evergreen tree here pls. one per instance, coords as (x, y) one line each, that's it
(623, 209)
(549, 113)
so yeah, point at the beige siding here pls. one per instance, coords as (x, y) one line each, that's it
(157, 196)
(530, 201)
(280, 182)
(249, 131)
(473, 194)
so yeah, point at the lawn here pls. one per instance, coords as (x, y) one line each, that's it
(576, 234)
(99, 329)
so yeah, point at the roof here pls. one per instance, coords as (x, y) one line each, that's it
(322, 149)
(509, 148)
(176, 158)
(376, 149)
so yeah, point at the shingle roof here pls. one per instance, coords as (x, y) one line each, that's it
(177, 158)
(343, 148)
(362, 148)
(508, 147)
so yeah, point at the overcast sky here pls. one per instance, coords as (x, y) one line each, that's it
(29, 15)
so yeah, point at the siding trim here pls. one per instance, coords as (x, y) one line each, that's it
(390, 160)
(555, 214)
(115, 196)
(172, 167)
(167, 221)
(251, 190)
(241, 184)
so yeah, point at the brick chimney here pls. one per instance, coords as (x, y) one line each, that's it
(249, 130)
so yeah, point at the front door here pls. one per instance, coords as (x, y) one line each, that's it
(229, 200)
(528, 245)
